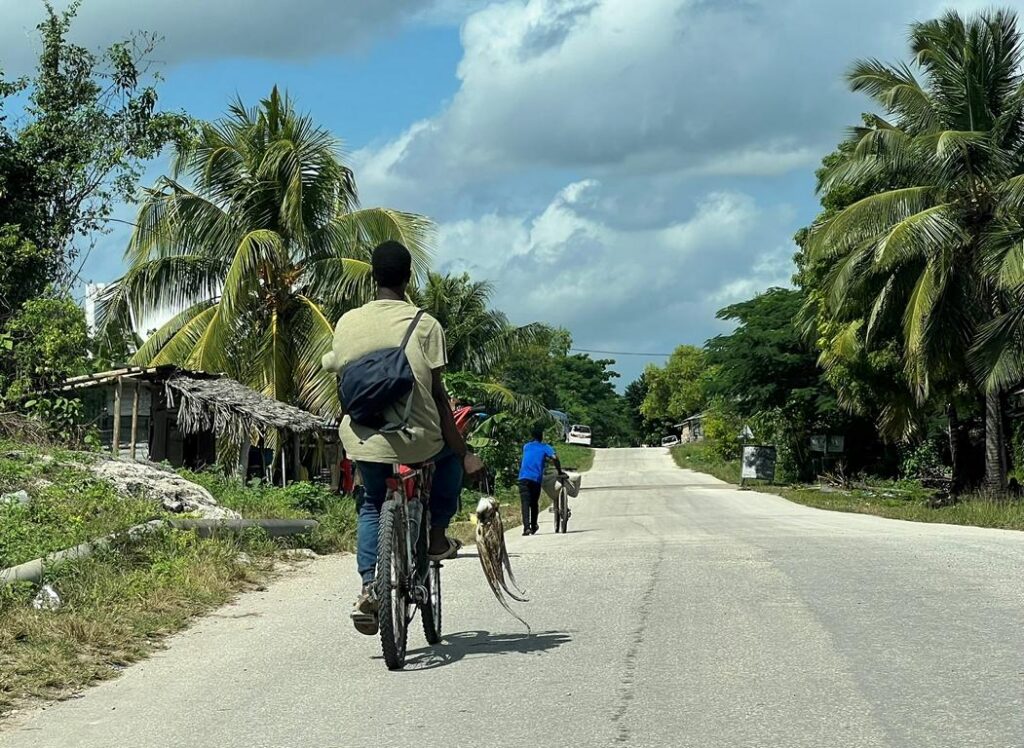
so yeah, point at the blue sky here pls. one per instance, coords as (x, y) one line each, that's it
(620, 167)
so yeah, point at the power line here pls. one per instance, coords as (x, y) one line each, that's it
(621, 353)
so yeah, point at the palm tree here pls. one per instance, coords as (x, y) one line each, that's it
(929, 254)
(258, 240)
(479, 338)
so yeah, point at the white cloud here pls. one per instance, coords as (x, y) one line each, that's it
(677, 137)
(623, 289)
(211, 29)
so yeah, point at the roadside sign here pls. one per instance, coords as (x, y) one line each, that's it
(758, 463)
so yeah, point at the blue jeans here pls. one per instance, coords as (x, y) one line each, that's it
(444, 503)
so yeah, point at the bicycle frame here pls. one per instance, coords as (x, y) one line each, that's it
(408, 487)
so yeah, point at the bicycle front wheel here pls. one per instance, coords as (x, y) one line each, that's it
(564, 496)
(431, 610)
(555, 509)
(392, 584)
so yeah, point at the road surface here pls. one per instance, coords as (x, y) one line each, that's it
(677, 612)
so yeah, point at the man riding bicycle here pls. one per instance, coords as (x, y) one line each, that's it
(428, 433)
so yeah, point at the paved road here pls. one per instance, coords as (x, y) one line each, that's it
(677, 612)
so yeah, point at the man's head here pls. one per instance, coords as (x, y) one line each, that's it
(538, 433)
(392, 266)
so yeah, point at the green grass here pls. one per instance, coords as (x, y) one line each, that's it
(119, 603)
(575, 456)
(904, 500)
(699, 457)
(68, 505)
(117, 606)
(336, 514)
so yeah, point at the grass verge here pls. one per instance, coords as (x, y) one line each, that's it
(121, 602)
(68, 505)
(117, 606)
(904, 500)
(576, 456)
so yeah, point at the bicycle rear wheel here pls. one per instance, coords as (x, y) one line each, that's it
(430, 573)
(392, 584)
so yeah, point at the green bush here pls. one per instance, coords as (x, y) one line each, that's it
(722, 427)
(922, 461)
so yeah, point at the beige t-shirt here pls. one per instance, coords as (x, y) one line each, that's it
(374, 327)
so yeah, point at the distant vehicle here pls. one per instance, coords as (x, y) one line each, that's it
(670, 441)
(578, 435)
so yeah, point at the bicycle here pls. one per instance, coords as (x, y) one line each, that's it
(560, 505)
(406, 579)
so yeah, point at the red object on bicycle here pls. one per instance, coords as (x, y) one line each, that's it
(463, 417)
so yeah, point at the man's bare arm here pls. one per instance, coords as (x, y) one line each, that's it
(452, 436)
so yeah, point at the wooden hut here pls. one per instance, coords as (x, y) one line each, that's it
(691, 429)
(191, 418)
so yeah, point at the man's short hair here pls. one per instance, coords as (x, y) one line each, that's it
(538, 433)
(392, 264)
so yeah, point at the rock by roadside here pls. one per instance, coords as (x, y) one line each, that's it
(161, 485)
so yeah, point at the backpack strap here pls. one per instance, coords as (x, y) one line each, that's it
(412, 328)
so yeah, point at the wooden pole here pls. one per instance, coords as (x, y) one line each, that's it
(284, 459)
(135, 418)
(296, 457)
(243, 457)
(115, 447)
(334, 457)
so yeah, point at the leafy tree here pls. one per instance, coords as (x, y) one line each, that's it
(48, 344)
(764, 363)
(931, 256)
(574, 384)
(676, 390)
(769, 376)
(263, 251)
(25, 270)
(647, 431)
(90, 123)
(584, 388)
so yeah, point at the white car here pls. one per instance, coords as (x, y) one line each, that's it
(670, 441)
(578, 435)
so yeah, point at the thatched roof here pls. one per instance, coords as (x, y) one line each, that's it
(210, 401)
(230, 408)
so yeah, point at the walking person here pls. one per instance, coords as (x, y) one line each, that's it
(531, 475)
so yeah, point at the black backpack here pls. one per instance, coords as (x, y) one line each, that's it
(377, 381)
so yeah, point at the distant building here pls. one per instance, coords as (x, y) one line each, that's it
(691, 429)
(92, 294)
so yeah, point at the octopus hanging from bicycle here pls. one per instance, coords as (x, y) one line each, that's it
(407, 580)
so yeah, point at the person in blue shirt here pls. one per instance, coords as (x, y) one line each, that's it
(531, 474)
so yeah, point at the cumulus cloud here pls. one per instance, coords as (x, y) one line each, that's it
(211, 29)
(626, 168)
(623, 289)
(732, 87)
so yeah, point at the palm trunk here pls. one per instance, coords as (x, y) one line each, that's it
(957, 450)
(995, 452)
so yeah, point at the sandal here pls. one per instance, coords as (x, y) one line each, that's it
(450, 552)
(364, 614)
